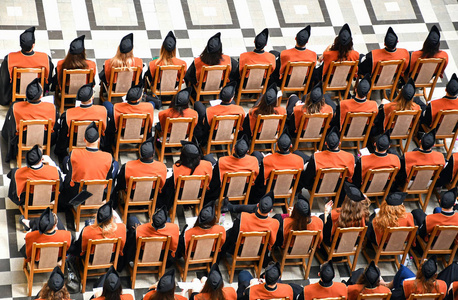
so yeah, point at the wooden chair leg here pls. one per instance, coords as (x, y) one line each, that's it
(134, 275)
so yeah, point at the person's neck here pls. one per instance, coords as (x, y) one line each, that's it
(380, 152)
(37, 166)
(27, 52)
(92, 145)
(300, 47)
(448, 210)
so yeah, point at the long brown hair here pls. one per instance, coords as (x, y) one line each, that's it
(213, 294)
(169, 295)
(402, 103)
(123, 60)
(109, 295)
(343, 50)
(310, 107)
(428, 50)
(429, 285)
(212, 59)
(389, 216)
(73, 61)
(206, 225)
(108, 228)
(299, 221)
(48, 294)
(263, 108)
(165, 57)
(352, 213)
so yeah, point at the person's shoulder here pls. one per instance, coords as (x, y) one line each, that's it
(172, 226)
(317, 220)
(127, 297)
(32, 235)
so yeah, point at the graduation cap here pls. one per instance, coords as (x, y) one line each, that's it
(27, 38)
(147, 148)
(167, 281)
(241, 147)
(345, 35)
(260, 41)
(214, 43)
(428, 139)
(302, 37)
(429, 267)
(303, 206)
(372, 274)
(190, 149)
(271, 94)
(316, 94)
(134, 93)
(160, 218)
(332, 138)
(85, 92)
(92, 133)
(104, 213)
(391, 39)
(364, 86)
(272, 273)
(127, 43)
(46, 221)
(112, 280)
(327, 272)
(34, 90)
(383, 142)
(56, 280)
(395, 199)
(284, 142)
(80, 198)
(33, 156)
(207, 213)
(170, 42)
(353, 192)
(228, 91)
(408, 90)
(77, 45)
(452, 85)
(266, 203)
(182, 97)
(215, 279)
(448, 199)
(434, 36)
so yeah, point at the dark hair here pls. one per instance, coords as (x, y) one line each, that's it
(428, 50)
(211, 58)
(26, 49)
(299, 221)
(48, 294)
(263, 108)
(206, 225)
(310, 107)
(178, 109)
(342, 49)
(116, 295)
(402, 103)
(73, 61)
(189, 162)
(363, 280)
(169, 295)
(213, 294)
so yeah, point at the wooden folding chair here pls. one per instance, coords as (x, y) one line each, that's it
(31, 133)
(332, 298)
(339, 77)
(377, 183)
(421, 180)
(21, 79)
(425, 74)
(296, 78)
(382, 296)
(50, 255)
(236, 186)
(356, 128)
(346, 242)
(437, 296)
(42, 194)
(299, 251)
(132, 129)
(104, 253)
(120, 82)
(266, 131)
(77, 131)
(154, 252)
(328, 183)
(223, 131)
(442, 241)
(403, 124)
(212, 79)
(141, 192)
(98, 198)
(175, 131)
(167, 80)
(203, 251)
(190, 190)
(284, 184)
(72, 81)
(312, 129)
(386, 77)
(395, 241)
(250, 248)
(254, 80)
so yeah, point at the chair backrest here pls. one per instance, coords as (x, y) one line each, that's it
(357, 126)
(178, 129)
(79, 128)
(75, 79)
(223, 129)
(396, 239)
(141, 188)
(191, 188)
(214, 77)
(256, 78)
(253, 244)
(446, 123)
(340, 76)
(383, 296)
(35, 130)
(435, 296)
(329, 182)
(301, 243)
(133, 128)
(425, 177)
(427, 69)
(123, 78)
(378, 181)
(204, 248)
(446, 236)
(154, 249)
(332, 298)
(347, 241)
(25, 76)
(103, 252)
(387, 73)
(49, 255)
(299, 76)
(284, 183)
(97, 188)
(313, 127)
(267, 129)
(42, 191)
(402, 123)
(168, 76)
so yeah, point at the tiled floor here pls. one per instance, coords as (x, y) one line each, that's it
(105, 22)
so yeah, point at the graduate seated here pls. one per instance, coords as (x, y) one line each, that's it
(164, 288)
(367, 283)
(112, 288)
(179, 108)
(55, 287)
(212, 287)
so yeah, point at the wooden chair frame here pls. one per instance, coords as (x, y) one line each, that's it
(427, 190)
(226, 190)
(381, 296)
(30, 184)
(396, 136)
(61, 90)
(160, 70)
(18, 73)
(379, 72)
(28, 146)
(201, 91)
(199, 202)
(293, 78)
(229, 142)
(137, 71)
(126, 138)
(289, 196)
(160, 150)
(328, 82)
(440, 65)
(247, 71)
(258, 131)
(348, 133)
(314, 193)
(436, 296)
(369, 178)
(74, 125)
(301, 131)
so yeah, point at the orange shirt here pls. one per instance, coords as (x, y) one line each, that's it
(228, 293)
(421, 158)
(407, 221)
(228, 164)
(295, 55)
(335, 159)
(259, 292)
(414, 56)
(170, 229)
(90, 65)
(374, 161)
(137, 168)
(335, 213)
(46, 172)
(440, 105)
(391, 107)
(332, 55)
(254, 58)
(23, 110)
(175, 62)
(90, 165)
(198, 64)
(54, 237)
(278, 161)
(95, 233)
(315, 290)
(353, 106)
(123, 297)
(137, 108)
(383, 55)
(279, 110)
(224, 110)
(356, 289)
(90, 113)
(36, 60)
(171, 113)
(138, 62)
(316, 224)
(412, 286)
(251, 222)
(299, 111)
(204, 168)
(151, 293)
(215, 229)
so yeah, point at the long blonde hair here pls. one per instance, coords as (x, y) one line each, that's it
(108, 228)
(123, 60)
(352, 213)
(165, 57)
(389, 216)
(402, 103)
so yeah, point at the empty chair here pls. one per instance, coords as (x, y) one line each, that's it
(254, 80)
(386, 77)
(21, 79)
(339, 77)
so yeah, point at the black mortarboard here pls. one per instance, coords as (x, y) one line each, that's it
(34, 90)
(316, 94)
(303, 206)
(452, 85)
(428, 139)
(207, 213)
(271, 94)
(448, 199)
(327, 272)
(395, 199)
(182, 97)
(127, 43)
(332, 138)
(345, 35)
(391, 39)
(214, 43)
(429, 267)
(228, 91)
(353, 192)
(160, 218)
(215, 279)
(383, 142)
(80, 198)
(167, 281)
(170, 42)
(284, 142)
(56, 280)
(33, 156)
(46, 221)
(272, 273)
(92, 133)
(408, 90)
(372, 274)
(134, 93)
(266, 203)
(302, 37)
(190, 149)
(27, 38)
(77, 45)
(85, 92)
(112, 280)
(364, 86)
(147, 148)
(104, 213)
(260, 41)
(434, 36)
(241, 147)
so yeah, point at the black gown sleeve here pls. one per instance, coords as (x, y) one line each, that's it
(121, 180)
(5, 84)
(357, 174)
(9, 134)
(365, 66)
(446, 174)
(336, 119)
(426, 116)
(378, 122)
(422, 229)
(327, 229)
(62, 140)
(12, 190)
(308, 177)
(190, 76)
